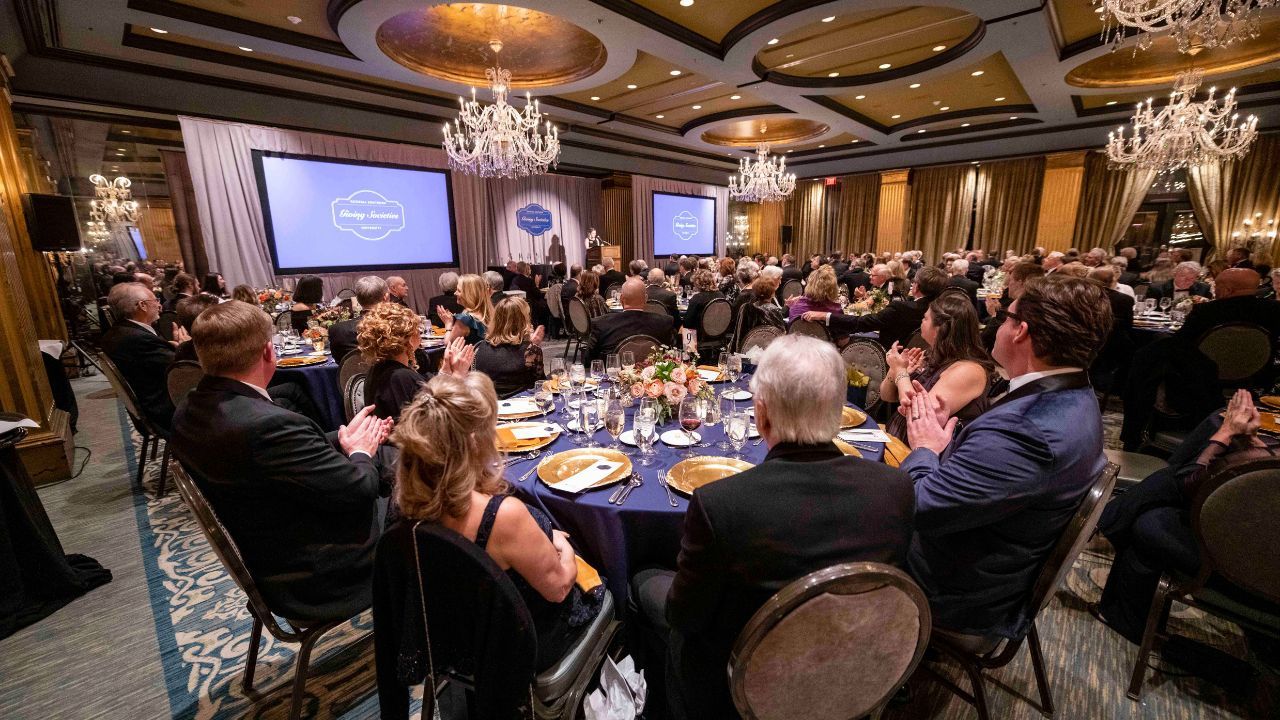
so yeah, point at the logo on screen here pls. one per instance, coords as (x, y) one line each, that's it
(368, 215)
(533, 219)
(684, 225)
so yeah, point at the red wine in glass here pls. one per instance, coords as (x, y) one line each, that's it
(690, 424)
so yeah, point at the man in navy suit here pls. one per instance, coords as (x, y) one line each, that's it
(992, 502)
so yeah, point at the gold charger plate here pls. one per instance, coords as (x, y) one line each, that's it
(507, 442)
(292, 362)
(1272, 401)
(555, 384)
(715, 369)
(438, 331)
(688, 475)
(564, 465)
(851, 417)
(846, 448)
(1270, 423)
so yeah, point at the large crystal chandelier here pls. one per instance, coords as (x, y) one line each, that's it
(498, 140)
(763, 179)
(1184, 133)
(113, 200)
(96, 228)
(1195, 24)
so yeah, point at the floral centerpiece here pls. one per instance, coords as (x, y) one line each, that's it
(328, 317)
(666, 378)
(873, 302)
(272, 298)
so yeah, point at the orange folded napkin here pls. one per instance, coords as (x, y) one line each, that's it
(588, 578)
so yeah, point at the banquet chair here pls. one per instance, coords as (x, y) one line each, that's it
(791, 288)
(579, 327)
(224, 546)
(471, 626)
(655, 307)
(345, 294)
(353, 400)
(1233, 518)
(283, 321)
(181, 378)
(151, 435)
(555, 309)
(717, 316)
(608, 292)
(800, 326)
(867, 356)
(641, 345)
(1133, 467)
(837, 643)
(354, 363)
(1242, 351)
(1140, 290)
(976, 654)
(759, 337)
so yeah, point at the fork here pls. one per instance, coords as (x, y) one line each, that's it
(521, 458)
(665, 482)
(531, 471)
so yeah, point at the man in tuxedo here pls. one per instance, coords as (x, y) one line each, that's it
(882, 280)
(992, 501)
(897, 322)
(447, 299)
(1117, 353)
(657, 291)
(672, 268)
(184, 286)
(398, 291)
(805, 508)
(303, 508)
(959, 279)
(609, 330)
(496, 285)
(789, 269)
(569, 290)
(839, 264)
(1239, 258)
(974, 270)
(610, 277)
(370, 290)
(1053, 261)
(139, 352)
(1185, 282)
(856, 278)
(509, 274)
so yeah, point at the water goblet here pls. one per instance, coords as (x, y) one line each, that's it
(628, 360)
(735, 427)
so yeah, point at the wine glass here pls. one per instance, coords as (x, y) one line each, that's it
(734, 368)
(644, 426)
(615, 419)
(612, 368)
(555, 371)
(628, 360)
(597, 370)
(588, 418)
(573, 401)
(545, 397)
(1165, 303)
(727, 408)
(690, 420)
(735, 428)
(723, 364)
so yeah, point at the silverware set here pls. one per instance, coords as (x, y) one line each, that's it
(521, 458)
(665, 482)
(623, 492)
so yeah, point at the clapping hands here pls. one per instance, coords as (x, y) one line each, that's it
(458, 357)
(1241, 417)
(445, 316)
(929, 424)
(365, 433)
(538, 335)
(900, 360)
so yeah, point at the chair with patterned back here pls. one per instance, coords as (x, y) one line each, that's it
(656, 307)
(857, 630)
(151, 435)
(579, 326)
(867, 357)
(1240, 350)
(354, 363)
(283, 321)
(353, 400)
(1233, 517)
(345, 294)
(181, 378)
(555, 309)
(717, 316)
(1140, 290)
(224, 546)
(641, 345)
(791, 288)
(800, 326)
(976, 654)
(759, 337)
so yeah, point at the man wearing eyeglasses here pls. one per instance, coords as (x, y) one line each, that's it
(139, 352)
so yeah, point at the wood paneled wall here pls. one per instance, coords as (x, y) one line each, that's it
(891, 222)
(1060, 200)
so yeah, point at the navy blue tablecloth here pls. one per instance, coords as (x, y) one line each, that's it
(621, 540)
(320, 382)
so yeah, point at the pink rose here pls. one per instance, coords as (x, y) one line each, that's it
(694, 385)
(637, 390)
(647, 373)
(678, 375)
(675, 392)
(654, 388)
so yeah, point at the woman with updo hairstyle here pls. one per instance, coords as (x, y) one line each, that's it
(511, 353)
(449, 474)
(387, 337)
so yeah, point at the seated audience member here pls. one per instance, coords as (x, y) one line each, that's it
(398, 291)
(704, 287)
(306, 300)
(370, 291)
(789, 269)
(1015, 280)
(672, 266)
(589, 294)
(388, 338)
(527, 282)
(898, 321)
(685, 277)
(189, 308)
(1150, 524)
(657, 291)
(806, 507)
(245, 294)
(1238, 257)
(960, 279)
(511, 354)
(146, 281)
(1117, 352)
(477, 310)
(139, 352)
(726, 269)
(496, 284)
(449, 474)
(1176, 361)
(184, 286)
(1124, 278)
(637, 268)
(955, 368)
(1185, 282)
(740, 294)
(821, 294)
(568, 291)
(881, 279)
(608, 331)
(855, 278)
(303, 509)
(610, 277)
(448, 298)
(214, 285)
(992, 501)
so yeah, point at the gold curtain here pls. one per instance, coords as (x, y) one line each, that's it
(940, 209)
(1108, 201)
(616, 202)
(1224, 195)
(764, 226)
(1060, 200)
(891, 214)
(805, 212)
(1008, 204)
(856, 214)
(159, 233)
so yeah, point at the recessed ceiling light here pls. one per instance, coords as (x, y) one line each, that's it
(853, 141)
(659, 116)
(595, 97)
(894, 117)
(999, 99)
(944, 108)
(735, 97)
(294, 19)
(697, 107)
(1111, 102)
(631, 87)
(828, 19)
(686, 3)
(885, 66)
(675, 72)
(246, 49)
(976, 73)
(860, 97)
(119, 154)
(127, 132)
(158, 31)
(1013, 117)
(939, 48)
(834, 74)
(821, 146)
(772, 42)
(913, 86)
(964, 124)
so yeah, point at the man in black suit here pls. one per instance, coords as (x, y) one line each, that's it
(139, 352)
(496, 285)
(1186, 281)
(448, 299)
(789, 269)
(610, 277)
(1239, 258)
(657, 291)
(1125, 275)
(609, 330)
(839, 264)
(370, 290)
(1118, 350)
(856, 278)
(960, 279)
(184, 286)
(805, 508)
(303, 508)
(672, 268)
(398, 291)
(898, 321)
(569, 290)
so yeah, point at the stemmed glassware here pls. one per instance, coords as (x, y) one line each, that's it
(597, 371)
(574, 399)
(690, 420)
(733, 369)
(644, 426)
(615, 419)
(588, 418)
(612, 368)
(578, 374)
(723, 364)
(1165, 303)
(727, 408)
(736, 426)
(628, 360)
(1151, 304)
(545, 397)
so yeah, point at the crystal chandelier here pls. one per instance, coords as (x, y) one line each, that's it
(113, 200)
(1195, 24)
(96, 228)
(764, 179)
(498, 140)
(1184, 133)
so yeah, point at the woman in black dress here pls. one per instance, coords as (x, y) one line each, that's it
(511, 354)
(306, 298)
(388, 336)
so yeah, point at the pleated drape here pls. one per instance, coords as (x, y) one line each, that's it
(1007, 199)
(805, 212)
(764, 226)
(186, 219)
(857, 213)
(1108, 201)
(642, 189)
(156, 223)
(941, 209)
(1224, 195)
(574, 203)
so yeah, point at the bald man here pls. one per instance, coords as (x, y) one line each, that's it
(610, 330)
(398, 291)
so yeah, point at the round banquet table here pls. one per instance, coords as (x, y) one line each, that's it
(620, 540)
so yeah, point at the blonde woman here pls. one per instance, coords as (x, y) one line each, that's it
(511, 353)
(819, 294)
(449, 474)
(474, 295)
(388, 336)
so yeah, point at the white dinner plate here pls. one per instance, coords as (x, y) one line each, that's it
(741, 395)
(628, 437)
(572, 425)
(678, 438)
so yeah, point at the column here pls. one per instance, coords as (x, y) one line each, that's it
(891, 217)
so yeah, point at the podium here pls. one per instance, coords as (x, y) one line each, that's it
(596, 256)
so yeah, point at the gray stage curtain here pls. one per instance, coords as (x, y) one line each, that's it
(575, 206)
(642, 189)
(185, 216)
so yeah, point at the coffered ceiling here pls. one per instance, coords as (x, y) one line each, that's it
(838, 86)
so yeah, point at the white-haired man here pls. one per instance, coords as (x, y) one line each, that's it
(496, 285)
(610, 277)
(370, 290)
(1053, 261)
(1185, 282)
(139, 352)
(447, 298)
(398, 291)
(960, 279)
(657, 291)
(806, 507)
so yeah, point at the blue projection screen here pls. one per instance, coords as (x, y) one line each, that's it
(683, 224)
(327, 215)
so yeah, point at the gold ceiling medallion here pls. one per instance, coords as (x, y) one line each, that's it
(776, 131)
